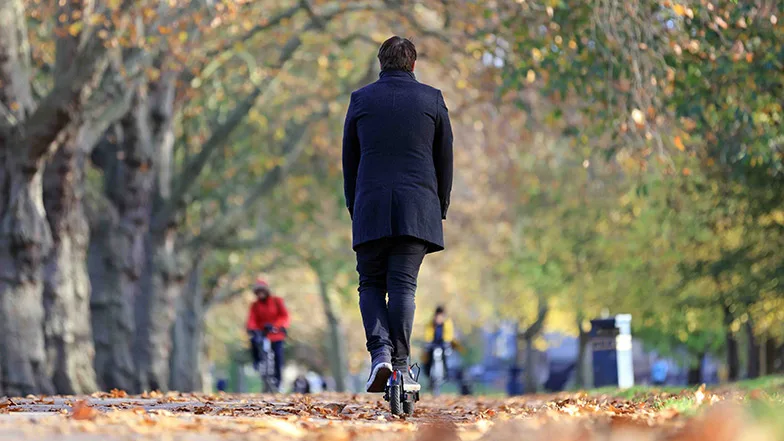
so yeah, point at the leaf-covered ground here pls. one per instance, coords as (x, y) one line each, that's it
(688, 415)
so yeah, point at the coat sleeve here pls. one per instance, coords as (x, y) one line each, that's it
(350, 155)
(283, 320)
(252, 324)
(442, 155)
(430, 332)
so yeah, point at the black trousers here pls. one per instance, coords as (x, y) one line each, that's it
(389, 266)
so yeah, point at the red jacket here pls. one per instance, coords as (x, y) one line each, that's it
(271, 311)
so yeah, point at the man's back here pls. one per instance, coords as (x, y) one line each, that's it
(397, 171)
(398, 160)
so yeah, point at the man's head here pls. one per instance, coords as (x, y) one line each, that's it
(440, 315)
(261, 289)
(397, 53)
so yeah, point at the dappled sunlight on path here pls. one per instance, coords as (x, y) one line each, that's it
(343, 417)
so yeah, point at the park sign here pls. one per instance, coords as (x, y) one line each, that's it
(611, 348)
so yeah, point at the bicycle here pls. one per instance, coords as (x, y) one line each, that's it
(266, 359)
(437, 373)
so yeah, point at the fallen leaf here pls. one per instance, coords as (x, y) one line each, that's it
(699, 395)
(81, 410)
(117, 393)
(335, 408)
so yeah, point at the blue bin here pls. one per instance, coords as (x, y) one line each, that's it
(605, 356)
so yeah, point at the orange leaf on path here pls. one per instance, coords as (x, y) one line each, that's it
(117, 393)
(81, 410)
(699, 396)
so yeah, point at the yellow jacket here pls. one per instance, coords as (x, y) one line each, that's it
(449, 331)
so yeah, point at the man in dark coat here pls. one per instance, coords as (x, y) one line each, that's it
(397, 168)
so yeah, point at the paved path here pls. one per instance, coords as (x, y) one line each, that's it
(336, 417)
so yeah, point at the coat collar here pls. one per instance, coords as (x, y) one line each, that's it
(395, 73)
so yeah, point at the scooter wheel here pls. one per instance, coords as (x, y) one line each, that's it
(395, 402)
(408, 408)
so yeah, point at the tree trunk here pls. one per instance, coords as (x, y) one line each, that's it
(66, 294)
(531, 380)
(111, 302)
(733, 360)
(753, 359)
(770, 356)
(528, 336)
(337, 344)
(164, 275)
(206, 378)
(582, 371)
(778, 366)
(694, 375)
(156, 309)
(25, 238)
(186, 361)
(117, 248)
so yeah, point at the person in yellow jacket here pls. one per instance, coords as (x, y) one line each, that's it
(439, 332)
(440, 329)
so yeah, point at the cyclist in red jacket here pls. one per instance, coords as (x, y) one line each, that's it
(268, 314)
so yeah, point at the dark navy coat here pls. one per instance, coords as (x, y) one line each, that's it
(397, 160)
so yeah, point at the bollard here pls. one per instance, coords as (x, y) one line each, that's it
(623, 346)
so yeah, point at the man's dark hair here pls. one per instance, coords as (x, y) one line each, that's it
(440, 310)
(397, 53)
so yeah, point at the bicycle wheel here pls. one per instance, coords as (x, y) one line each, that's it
(267, 384)
(436, 379)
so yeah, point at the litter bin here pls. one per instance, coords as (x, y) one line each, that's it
(611, 345)
(514, 384)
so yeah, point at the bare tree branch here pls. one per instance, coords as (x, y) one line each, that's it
(259, 28)
(219, 136)
(64, 104)
(353, 37)
(15, 92)
(420, 28)
(216, 296)
(538, 324)
(227, 222)
(232, 243)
